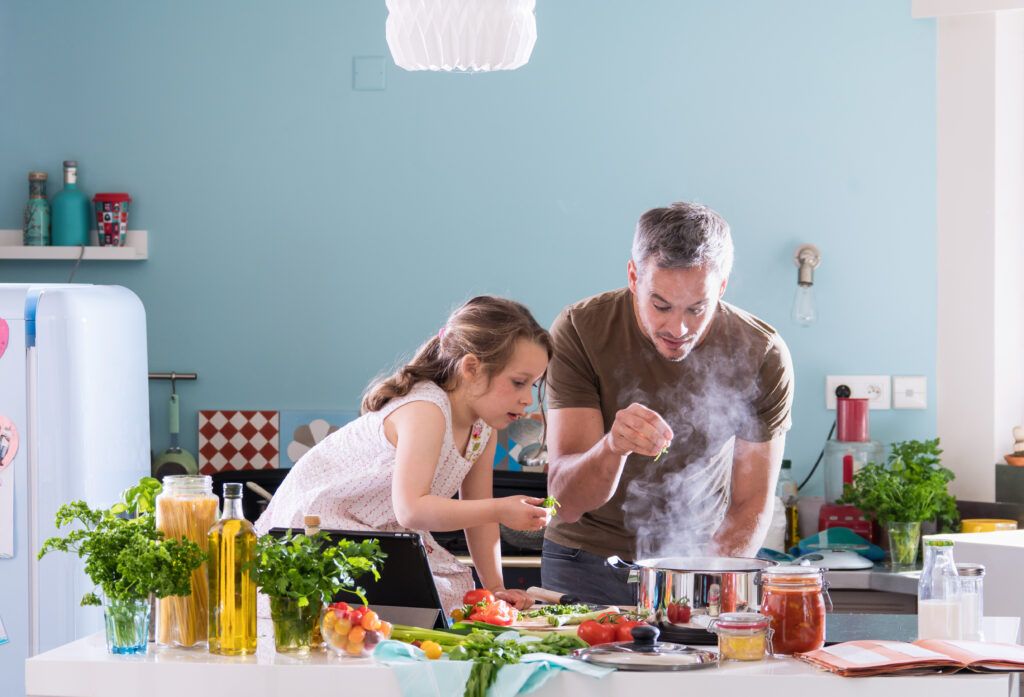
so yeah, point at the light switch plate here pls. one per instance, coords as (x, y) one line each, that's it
(909, 392)
(368, 73)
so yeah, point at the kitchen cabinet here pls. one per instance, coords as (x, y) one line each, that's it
(84, 669)
(136, 248)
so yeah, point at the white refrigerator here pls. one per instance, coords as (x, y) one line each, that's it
(74, 424)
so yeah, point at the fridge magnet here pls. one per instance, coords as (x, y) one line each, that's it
(301, 430)
(238, 440)
(8, 441)
(5, 334)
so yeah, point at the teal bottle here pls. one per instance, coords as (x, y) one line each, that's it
(37, 212)
(70, 211)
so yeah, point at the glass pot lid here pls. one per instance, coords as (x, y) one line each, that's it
(645, 652)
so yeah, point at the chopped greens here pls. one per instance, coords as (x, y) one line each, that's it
(489, 653)
(664, 451)
(547, 610)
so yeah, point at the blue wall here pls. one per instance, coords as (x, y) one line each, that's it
(304, 236)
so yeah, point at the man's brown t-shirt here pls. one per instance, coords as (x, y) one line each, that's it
(737, 383)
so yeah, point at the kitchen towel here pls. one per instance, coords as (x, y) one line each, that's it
(419, 676)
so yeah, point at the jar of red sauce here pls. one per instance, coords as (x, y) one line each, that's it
(794, 601)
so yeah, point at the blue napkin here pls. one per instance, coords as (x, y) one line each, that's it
(419, 676)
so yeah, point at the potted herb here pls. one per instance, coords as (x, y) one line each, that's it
(300, 572)
(909, 488)
(128, 559)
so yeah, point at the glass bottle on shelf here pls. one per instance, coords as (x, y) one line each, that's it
(938, 593)
(787, 491)
(232, 545)
(187, 507)
(70, 211)
(37, 212)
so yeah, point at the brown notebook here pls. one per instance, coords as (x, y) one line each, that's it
(869, 657)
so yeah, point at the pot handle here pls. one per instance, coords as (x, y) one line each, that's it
(616, 563)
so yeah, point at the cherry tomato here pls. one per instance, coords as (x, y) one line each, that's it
(623, 630)
(475, 596)
(356, 635)
(594, 632)
(370, 621)
(672, 612)
(682, 612)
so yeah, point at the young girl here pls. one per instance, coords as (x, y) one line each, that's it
(424, 435)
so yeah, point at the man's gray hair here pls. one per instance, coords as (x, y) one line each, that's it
(682, 236)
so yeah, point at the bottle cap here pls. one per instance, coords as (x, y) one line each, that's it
(232, 491)
(311, 521)
(70, 163)
(787, 464)
(37, 176)
(970, 569)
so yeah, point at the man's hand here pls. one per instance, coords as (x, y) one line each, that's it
(640, 430)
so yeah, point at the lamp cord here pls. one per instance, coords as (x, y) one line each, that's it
(820, 455)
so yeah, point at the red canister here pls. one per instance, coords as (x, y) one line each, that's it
(111, 218)
(851, 420)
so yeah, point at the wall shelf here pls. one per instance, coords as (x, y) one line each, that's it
(136, 248)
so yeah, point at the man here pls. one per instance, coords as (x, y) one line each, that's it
(668, 413)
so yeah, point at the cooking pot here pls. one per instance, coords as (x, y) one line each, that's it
(705, 586)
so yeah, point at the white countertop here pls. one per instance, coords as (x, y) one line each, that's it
(83, 668)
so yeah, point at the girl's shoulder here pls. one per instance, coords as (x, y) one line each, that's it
(425, 391)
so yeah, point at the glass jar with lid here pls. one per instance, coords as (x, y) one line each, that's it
(742, 636)
(187, 507)
(972, 577)
(794, 601)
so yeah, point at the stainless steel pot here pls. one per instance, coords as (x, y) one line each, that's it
(708, 586)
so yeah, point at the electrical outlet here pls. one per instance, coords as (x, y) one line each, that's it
(875, 388)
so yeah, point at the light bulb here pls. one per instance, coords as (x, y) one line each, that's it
(805, 309)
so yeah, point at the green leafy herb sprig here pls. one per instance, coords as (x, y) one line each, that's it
(490, 653)
(127, 558)
(664, 451)
(310, 569)
(909, 487)
(551, 503)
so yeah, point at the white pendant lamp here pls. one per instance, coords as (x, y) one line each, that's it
(461, 35)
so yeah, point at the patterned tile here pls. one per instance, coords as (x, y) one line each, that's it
(238, 440)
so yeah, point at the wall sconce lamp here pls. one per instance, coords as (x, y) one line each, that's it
(805, 309)
(461, 35)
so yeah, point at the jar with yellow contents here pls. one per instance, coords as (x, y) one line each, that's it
(742, 636)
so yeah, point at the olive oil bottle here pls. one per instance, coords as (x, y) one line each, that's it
(231, 544)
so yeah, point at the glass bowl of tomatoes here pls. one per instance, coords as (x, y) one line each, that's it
(352, 631)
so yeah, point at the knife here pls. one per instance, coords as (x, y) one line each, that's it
(553, 597)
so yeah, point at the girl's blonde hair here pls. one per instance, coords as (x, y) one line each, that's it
(486, 327)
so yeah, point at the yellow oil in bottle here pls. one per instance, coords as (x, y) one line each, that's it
(232, 543)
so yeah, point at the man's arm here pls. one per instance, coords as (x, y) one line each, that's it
(585, 463)
(755, 470)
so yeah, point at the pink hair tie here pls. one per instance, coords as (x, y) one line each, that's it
(440, 333)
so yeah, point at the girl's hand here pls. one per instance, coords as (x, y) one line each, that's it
(514, 597)
(523, 513)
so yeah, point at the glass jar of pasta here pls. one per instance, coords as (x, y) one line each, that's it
(794, 600)
(187, 507)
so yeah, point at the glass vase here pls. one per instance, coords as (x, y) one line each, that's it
(904, 541)
(293, 625)
(127, 625)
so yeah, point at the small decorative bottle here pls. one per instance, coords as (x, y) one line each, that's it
(232, 545)
(311, 526)
(70, 211)
(37, 212)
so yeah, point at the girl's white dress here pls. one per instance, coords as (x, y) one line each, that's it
(346, 480)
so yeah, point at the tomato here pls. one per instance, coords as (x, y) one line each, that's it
(623, 630)
(678, 612)
(370, 621)
(496, 612)
(672, 613)
(594, 632)
(475, 596)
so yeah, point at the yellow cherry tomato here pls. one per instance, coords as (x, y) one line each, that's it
(432, 649)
